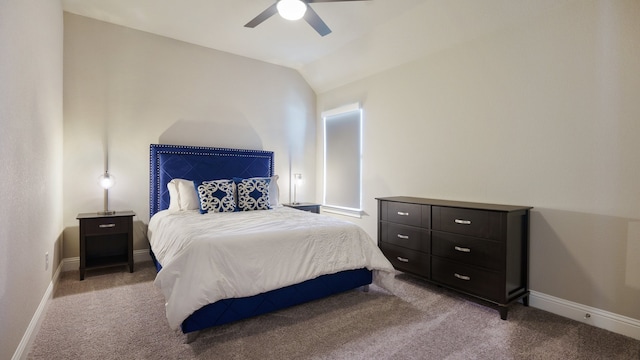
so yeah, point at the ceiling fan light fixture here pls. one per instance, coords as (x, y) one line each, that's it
(291, 9)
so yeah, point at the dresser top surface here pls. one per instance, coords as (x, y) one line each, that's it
(458, 204)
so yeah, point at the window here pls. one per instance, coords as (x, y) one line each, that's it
(342, 165)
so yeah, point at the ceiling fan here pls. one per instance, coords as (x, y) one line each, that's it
(295, 10)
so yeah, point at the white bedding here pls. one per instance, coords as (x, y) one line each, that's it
(209, 257)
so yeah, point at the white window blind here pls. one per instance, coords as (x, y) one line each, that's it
(342, 155)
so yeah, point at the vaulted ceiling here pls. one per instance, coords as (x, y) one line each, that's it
(367, 36)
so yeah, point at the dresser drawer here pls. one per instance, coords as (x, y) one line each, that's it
(407, 260)
(479, 223)
(105, 226)
(484, 283)
(407, 214)
(406, 236)
(470, 250)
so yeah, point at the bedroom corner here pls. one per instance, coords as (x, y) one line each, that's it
(31, 124)
(153, 90)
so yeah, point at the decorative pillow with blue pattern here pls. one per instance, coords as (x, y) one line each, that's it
(216, 196)
(253, 194)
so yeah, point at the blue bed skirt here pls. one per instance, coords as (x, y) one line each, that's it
(229, 310)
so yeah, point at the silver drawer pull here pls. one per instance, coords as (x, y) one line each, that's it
(463, 222)
(403, 236)
(405, 260)
(467, 250)
(403, 213)
(462, 277)
(107, 225)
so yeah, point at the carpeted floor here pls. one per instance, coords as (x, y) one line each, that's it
(114, 314)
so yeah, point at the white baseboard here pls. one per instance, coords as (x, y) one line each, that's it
(67, 264)
(70, 264)
(34, 325)
(599, 318)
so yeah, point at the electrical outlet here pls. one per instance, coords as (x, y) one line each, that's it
(46, 260)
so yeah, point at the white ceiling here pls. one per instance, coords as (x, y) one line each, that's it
(368, 36)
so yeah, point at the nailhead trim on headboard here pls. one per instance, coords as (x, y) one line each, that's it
(253, 162)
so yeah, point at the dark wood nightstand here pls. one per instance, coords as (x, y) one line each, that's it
(310, 207)
(106, 240)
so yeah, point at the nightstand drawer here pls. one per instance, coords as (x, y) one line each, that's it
(484, 283)
(485, 253)
(408, 214)
(479, 223)
(405, 236)
(407, 260)
(105, 226)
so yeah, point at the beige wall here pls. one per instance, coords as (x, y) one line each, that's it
(543, 114)
(128, 89)
(31, 157)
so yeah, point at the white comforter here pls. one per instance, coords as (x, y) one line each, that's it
(206, 258)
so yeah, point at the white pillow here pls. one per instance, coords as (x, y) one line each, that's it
(188, 195)
(274, 192)
(182, 195)
(174, 196)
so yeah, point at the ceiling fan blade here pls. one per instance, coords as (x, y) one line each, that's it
(321, 1)
(269, 12)
(314, 20)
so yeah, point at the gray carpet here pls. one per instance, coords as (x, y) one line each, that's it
(114, 314)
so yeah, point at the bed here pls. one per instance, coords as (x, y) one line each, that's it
(233, 288)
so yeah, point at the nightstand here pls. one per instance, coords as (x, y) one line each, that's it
(106, 240)
(310, 207)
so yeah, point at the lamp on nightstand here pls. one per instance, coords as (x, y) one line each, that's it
(297, 180)
(106, 181)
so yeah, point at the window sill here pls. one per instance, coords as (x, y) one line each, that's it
(341, 211)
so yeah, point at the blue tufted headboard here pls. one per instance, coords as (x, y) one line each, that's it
(168, 162)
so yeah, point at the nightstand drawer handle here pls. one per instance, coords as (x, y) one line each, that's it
(404, 260)
(467, 250)
(403, 213)
(463, 222)
(462, 277)
(107, 225)
(403, 236)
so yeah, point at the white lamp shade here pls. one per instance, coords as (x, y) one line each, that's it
(291, 9)
(106, 180)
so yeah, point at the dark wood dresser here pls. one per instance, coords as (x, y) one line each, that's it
(478, 249)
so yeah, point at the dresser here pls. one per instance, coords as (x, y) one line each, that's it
(481, 250)
(106, 240)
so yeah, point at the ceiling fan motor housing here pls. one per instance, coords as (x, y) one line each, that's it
(295, 10)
